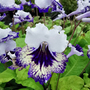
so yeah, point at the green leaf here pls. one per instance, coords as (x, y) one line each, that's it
(20, 42)
(86, 80)
(53, 81)
(31, 83)
(2, 67)
(23, 74)
(82, 41)
(1, 88)
(76, 64)
(6, 76)
(25, 89)
(16, 26)
(22, 78)
(70, 83)
(85, 88)
(87, 37)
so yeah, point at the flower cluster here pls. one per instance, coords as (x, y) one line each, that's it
(83, 9)
(44, 52)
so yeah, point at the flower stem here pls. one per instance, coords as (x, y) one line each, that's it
(57, 82)
(36, 11)
(80, 32)
(74, 31)
(85, 68)
(44, 17)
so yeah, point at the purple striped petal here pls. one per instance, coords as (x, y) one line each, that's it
(2, 17)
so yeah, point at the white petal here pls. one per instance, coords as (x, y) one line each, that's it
(4, 32)
(7, 3)
(57, 42)
(2, 48)
(10, 45)
(59, 28)
(43, 3)
(35, 36)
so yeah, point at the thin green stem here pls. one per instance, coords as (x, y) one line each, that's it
(58, 81)
(49, 81)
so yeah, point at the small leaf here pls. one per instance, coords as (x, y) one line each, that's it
(70, 83)
(20, 42)
(23, 74)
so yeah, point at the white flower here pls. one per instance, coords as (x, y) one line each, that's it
(43, 3)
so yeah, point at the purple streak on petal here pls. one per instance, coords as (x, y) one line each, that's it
(37, 78)
(4, 58)
(2, 17)
(11, 36)
(12, 67)
(56, 6)
(3, 8)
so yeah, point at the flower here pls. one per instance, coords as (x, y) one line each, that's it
(43, 52)
(57, 7)
(21, 16)
(24, 2)
(2, 17)
(44, 5)
(6, 43)
(75, 50)
(83, 7)
(9, 6)
(60, 16)
(88, 52)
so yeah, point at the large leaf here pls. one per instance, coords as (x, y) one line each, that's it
(76, 64)
(6, 76)
(31, 83)
(70, 83)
